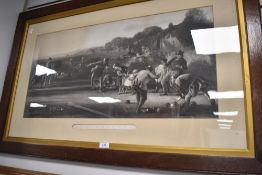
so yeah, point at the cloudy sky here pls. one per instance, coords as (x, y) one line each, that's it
(92, 36)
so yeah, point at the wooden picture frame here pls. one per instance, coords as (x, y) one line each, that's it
(197, 160)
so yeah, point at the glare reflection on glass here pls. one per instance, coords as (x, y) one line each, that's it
(216, 40)
(225, 121)
(105, 99)
(225, 124)
(232, 113)
(224, 127)
(42, 70)
(226, 94)
(37, 105)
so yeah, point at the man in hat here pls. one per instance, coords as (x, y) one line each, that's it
(121, 72)
(97, 71)
(48, 78)
(180, 63)
(163, 72)
(188, 86)
(140, 86)
(177, 63)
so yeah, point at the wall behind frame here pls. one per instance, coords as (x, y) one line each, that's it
(9, 10)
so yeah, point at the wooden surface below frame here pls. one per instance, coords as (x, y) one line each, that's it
(144, 159)
(16, 171)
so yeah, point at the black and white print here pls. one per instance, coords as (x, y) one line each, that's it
(144, 67)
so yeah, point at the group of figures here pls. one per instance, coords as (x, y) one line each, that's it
(171, 73)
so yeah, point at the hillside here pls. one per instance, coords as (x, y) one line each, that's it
(148, 47)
